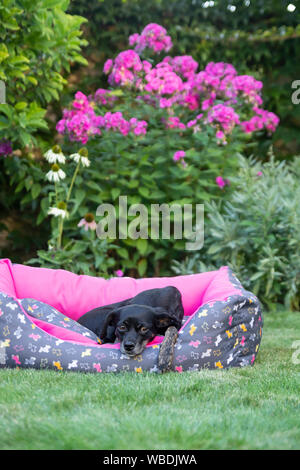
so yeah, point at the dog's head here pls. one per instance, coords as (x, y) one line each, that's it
(136, 325)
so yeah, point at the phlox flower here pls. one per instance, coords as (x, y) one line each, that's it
(178, 155)
(221, 182)
(80, 122)
(153, 37)
(262, 119)
(224, 116)
(119, 273)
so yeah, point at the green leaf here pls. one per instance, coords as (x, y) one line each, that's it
(35, 190)
(115, 192)
(20, 105)
(142, 266)
(123, 252)
(142, 245)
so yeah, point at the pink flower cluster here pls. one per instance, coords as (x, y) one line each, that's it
(262, 120)
(117, 123)
(223, 98)
(183, 65)
(163, 82)
(173, 122)
(153, 37)
(224, 118)
(220, 81)
(103, 97)
(81, 122)
(124, 69)
(249, 88)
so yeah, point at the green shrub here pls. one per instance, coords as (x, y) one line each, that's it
(38, 41)
(167, 134)
(82, 252)
(257, 36)
(256, 232)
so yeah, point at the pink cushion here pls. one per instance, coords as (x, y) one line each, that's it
(6, 278)
(73, 295)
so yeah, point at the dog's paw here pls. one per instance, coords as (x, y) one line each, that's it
(166, 352)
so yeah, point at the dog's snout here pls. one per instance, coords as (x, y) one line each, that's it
(129, 346)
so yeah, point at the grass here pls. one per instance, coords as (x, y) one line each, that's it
(250, 408)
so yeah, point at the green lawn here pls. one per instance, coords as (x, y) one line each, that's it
(252, 408)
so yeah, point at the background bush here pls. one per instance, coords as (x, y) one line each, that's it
(256, 232)
(258, 37)
(133, 134)
(39, 42)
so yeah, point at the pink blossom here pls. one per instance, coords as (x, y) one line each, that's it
(262, 119)
(124, 68)
(153, 37)
(222, 182)
(81, 102)
(220, 135)
(87, 225)
(183, 65)
(79, 123)
(117, 123)
(162, 80)
(178, 155)
(249, 87)
(224, 116)
(133, 39)
(108, 66)
(119, 273)
(174, 122)
(103, 97)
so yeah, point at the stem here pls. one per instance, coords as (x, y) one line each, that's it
(56, 193)
(60, 231)
(72, 182)
(61, 222)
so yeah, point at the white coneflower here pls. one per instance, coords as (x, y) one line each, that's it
(59, 211)
(55, 155)
(55, 174)
(81, 156)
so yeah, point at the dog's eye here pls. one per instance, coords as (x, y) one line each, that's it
(144, 329)
(122, 328)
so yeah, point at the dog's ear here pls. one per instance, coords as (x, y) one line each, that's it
(162, 319)
(110, 320)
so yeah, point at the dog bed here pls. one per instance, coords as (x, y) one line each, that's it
(39, 307)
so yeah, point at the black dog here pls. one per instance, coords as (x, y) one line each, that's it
(138, 320)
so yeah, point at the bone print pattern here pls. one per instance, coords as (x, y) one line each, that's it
(228, 333)
(219, 335)
(44, 312)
